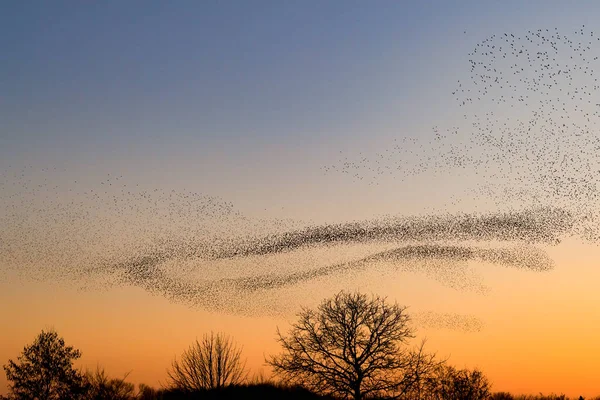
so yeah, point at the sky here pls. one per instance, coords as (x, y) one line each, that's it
(275, 116)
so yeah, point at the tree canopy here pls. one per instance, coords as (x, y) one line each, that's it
(44, 371)
(352, 345)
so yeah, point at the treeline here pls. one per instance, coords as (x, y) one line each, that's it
(508, 396)
(351, 347)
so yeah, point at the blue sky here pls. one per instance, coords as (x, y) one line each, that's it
(80, 74)
(257, 93)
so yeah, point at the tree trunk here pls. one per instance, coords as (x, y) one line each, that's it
(357, 393)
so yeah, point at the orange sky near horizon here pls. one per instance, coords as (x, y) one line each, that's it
(533, 339)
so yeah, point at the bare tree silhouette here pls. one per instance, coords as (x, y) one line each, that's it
(102, 387)
(212, 363)
(450, 383)
(352, 346)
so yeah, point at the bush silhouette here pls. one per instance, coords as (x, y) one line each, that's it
(101, 387)
(261, 391)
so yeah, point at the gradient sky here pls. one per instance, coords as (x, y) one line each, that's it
(248, 101)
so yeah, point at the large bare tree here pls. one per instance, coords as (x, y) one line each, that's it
(212, 363)
(352, 346)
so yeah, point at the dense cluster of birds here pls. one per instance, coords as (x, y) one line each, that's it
(534, 148)
(539, 225)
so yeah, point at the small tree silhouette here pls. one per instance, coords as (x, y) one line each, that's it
(212, 363)
(351, 346)
(450, 383)
(45, 371)
(102, 387)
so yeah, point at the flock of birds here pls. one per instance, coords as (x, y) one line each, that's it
(527, 135)
(532, 151)
(199, 250)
